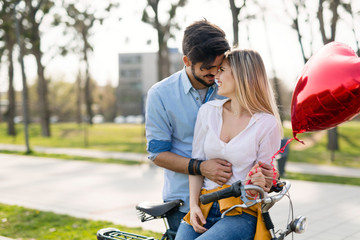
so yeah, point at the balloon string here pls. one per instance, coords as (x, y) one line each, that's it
(274, 156)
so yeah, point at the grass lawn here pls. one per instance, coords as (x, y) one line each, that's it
(108, 136)
(131, 138)
(29, 224)
(347, 156)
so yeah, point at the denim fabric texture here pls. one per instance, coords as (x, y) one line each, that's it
(239, 227)
(174, 219)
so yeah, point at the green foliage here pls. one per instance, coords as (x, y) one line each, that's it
(24, 223)
(349, 143)
(109, 136)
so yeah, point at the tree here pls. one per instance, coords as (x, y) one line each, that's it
(164, 31)
(21, 45)
(299, 26)
(328, 17)
(82, 17)
(106, 96)
(35, 12)
(235, 12)
(333, 142)
(262, 11)
(348, 7)
(276, 80)
(7, 25)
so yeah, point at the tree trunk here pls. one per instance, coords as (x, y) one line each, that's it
(42, 88)
(163, 61)
(42, 98)
(332, 133)
(276, 80)
(87, 91)
(333, 143)
(78, 99)
(24, 81)
(11, 96)
(235, 22)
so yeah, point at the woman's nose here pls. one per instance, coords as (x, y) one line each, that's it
(217, 74)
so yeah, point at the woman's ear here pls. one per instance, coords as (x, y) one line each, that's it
(186, 61)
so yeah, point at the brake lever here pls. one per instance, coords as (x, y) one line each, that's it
(277, 188)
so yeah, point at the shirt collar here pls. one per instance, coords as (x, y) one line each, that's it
(220, 103)
(186, 82)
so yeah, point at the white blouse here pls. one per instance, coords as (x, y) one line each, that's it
(259, 141)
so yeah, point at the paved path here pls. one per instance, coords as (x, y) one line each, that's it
(78, 152)
(290, 166)
(111, 191)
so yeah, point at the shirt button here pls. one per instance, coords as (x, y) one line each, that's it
(197, 98)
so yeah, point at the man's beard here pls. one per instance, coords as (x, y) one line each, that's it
(200, 80)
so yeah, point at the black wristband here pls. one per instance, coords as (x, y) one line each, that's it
(191, 166)
(197, 169)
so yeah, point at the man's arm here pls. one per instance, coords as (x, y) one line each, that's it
(217, 170)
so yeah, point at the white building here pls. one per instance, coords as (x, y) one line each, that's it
(137, 73)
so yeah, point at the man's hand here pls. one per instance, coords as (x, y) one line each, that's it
(267, 170)
(217, 170)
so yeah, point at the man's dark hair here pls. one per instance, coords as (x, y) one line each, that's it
(203, 42)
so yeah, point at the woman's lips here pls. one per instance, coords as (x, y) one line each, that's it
(218, 82)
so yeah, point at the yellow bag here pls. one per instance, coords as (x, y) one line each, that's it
(261, 232)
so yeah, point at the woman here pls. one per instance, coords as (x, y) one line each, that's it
(244, 129)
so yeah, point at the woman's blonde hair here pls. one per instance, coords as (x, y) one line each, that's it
(253, 89)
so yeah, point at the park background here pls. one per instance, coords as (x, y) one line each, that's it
(71, 51)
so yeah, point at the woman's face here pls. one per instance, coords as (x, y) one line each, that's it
(225, 80)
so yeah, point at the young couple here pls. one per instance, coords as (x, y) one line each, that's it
(208, 136)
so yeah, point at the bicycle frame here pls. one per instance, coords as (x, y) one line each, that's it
(148, 211)
(237, 189)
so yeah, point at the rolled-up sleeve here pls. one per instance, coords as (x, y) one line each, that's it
(157, 125)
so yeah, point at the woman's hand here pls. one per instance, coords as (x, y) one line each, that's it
(256, 177)
(197, 219)
(268, 171)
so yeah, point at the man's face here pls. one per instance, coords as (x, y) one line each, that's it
(205, 75)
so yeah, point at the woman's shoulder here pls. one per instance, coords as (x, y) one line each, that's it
(265, 118)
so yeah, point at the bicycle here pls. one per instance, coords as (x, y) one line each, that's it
(238, 189)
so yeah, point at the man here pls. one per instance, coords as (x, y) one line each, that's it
(171, 110)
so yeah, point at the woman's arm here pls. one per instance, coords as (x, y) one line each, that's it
(269, 144)
(197, 219)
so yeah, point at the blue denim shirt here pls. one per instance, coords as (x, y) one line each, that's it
(171, 110)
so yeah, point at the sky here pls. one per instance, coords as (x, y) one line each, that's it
(277, 42)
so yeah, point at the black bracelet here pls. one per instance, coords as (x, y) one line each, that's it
(191, 166)
(197, 168)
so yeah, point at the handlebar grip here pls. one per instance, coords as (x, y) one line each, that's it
(214, 196)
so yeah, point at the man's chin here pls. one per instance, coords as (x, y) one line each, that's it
(208, 83)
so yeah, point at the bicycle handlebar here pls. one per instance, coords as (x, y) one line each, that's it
(238, 189)
(233, 191)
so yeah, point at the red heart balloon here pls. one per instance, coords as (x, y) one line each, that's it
(327, 92)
